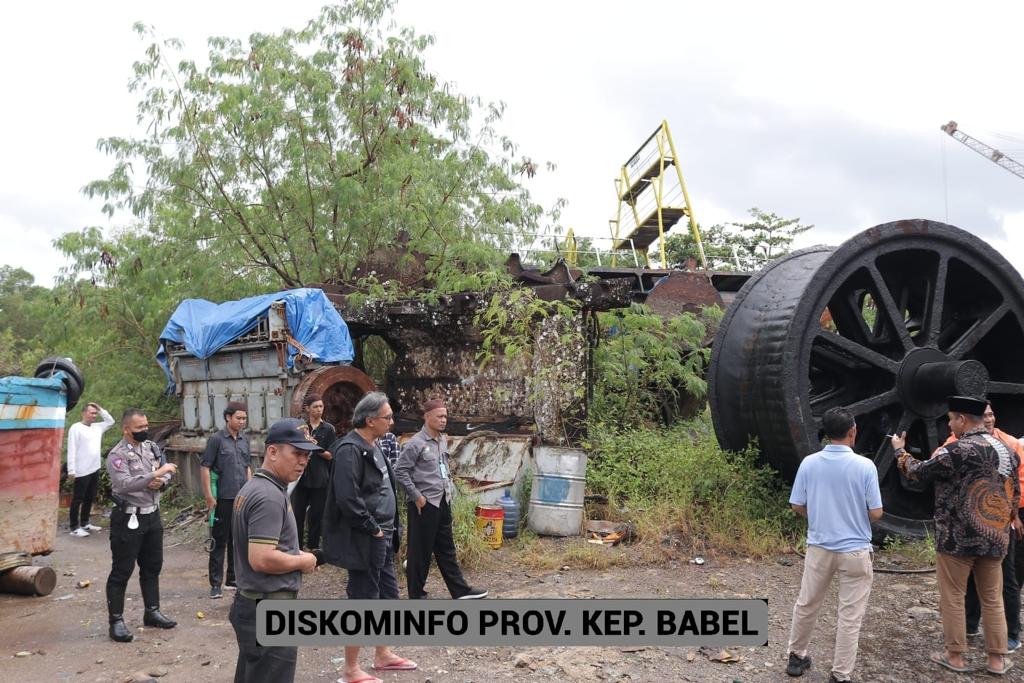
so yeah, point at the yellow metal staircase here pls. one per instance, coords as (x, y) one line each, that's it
(651, 199)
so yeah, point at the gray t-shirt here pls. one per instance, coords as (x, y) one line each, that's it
(229, 458)
(385, 510)
(263, 514)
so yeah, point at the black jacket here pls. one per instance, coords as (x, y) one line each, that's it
(318, 471)
(348, 519)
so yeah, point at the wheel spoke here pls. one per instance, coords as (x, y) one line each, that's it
(977, 332)
(938, 300)
(1004, 388)
(885, 456)
(849, 321)
(830, 399)
(873, 403)
(888, 305)
(854, 349)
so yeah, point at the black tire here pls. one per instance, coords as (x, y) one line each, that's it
(74, 381)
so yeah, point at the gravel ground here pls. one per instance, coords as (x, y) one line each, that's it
(65, 632)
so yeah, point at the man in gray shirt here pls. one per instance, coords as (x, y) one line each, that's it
(268, 562)
(227, 456)
(360, 526)
(423, 472)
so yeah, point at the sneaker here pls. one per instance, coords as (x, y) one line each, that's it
(973, 632)
(832, 679)
(797, 665)
(231, 585)
(91, 527)
(79, 533)
(474, 594)
(1012, 644)
(216, 592)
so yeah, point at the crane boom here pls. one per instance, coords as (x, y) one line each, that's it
(984, 150)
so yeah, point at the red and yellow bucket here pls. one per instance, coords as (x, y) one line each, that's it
(489, 519)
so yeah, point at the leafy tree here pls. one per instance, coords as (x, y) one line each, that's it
(23, 306)
(767, 237)
(289, 156)
(752, 244)
(717, 240)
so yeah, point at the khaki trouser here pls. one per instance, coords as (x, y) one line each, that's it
(855, 575)
(952, 572)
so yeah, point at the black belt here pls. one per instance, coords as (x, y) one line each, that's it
(275, 595)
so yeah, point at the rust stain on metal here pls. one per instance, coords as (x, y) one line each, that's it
(682, 292)
(26, 412)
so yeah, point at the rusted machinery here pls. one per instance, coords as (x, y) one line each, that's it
(888, 324)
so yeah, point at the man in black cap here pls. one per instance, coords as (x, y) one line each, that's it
(269, 564)
(976, 494)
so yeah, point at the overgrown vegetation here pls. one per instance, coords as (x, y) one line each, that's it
(646, 368)
(680, 489)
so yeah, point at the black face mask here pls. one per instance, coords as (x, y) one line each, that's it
(141, 436)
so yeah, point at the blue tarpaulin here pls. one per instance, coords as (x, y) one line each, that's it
(203, 327)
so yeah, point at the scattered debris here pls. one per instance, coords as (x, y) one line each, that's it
(83, 584)
(603, 532)
(697, 560)
(65, 597)
(723, 656)
(23, 653)
(200, 615)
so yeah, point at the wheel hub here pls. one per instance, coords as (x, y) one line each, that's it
(927, 376)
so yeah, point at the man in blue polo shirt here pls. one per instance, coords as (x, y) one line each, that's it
(837, 491)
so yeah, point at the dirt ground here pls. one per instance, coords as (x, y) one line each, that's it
(65, 633)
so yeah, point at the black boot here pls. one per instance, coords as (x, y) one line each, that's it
(118, 630)
(153, 617)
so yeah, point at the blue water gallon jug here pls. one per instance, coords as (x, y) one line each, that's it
(510, 527)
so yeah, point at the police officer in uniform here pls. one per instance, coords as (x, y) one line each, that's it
(136, 532)
(268, 562)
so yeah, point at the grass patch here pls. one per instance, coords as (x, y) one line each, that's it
(908, 554)
(534, 552)
(473, 552)
(684, 495)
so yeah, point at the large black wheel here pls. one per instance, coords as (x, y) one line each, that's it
(74, 382)
(887, 325)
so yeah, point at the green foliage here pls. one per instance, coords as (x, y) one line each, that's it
(290, 155)
(473, 551)
(644, 363)
(23, 311)
(717, 241)
(679, 478)
(509, 322)
(738, 246)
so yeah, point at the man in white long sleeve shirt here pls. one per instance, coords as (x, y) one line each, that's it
(84, 439)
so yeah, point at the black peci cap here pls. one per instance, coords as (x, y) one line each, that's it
(967, 405)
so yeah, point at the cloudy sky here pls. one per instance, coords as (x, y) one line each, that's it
(831, 115)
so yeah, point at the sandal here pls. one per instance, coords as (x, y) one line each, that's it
(399, 664)
(1007, 665)
(942, 659)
